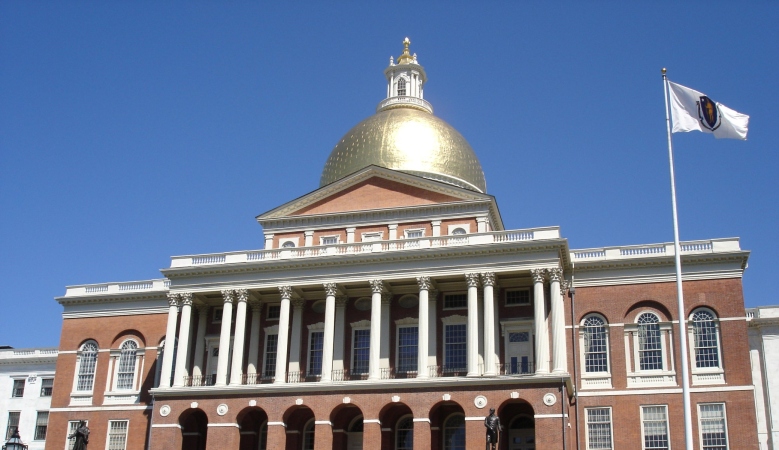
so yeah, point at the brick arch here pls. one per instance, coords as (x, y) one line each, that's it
(128, 334)
(194, 429)
(593, 312)
(295, 418)
(638, 307)
(253, 422)
(89, 339)
(698, 306)
(389, 416)
(341, 417)
(439, 412)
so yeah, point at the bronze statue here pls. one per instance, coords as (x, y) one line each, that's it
(492, 423)
(81, 435)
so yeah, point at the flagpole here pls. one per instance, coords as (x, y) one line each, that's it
(679, 295)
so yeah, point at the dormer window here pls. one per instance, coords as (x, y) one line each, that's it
(402, 86)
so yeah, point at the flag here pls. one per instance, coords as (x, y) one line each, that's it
(694, 111)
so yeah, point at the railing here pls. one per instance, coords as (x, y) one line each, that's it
(518, 368)
(653, 250)
(402, 100)
(446, 371)
(257, 378)
(200, 380)
(493, 237)
(138, 286)
(296, 377)
(119, 288)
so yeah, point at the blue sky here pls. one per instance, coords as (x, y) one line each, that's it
(133, 131)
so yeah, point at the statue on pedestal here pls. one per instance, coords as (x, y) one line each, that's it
(81, 435)
(492, 423)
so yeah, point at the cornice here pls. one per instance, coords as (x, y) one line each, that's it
(111, 298)
(665, 260)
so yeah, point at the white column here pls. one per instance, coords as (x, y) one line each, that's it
(182, 353)
(539, 319)
(294, 341)
(268, 241)
(281, 347)
(559, 356)
(338, 340)
(252, 364)
(350, 235)
(423, 332)
(377, 288)
(327, 341)
(200, 340)
(472, 345)
(490, 363)
(436, 224)
(170, 340)
(236, 371)
(393, 231)
(386, 299)
(309, 238)
(432, 344)
(224, 338)
(481, 225)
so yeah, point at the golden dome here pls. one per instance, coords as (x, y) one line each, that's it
(409, 140)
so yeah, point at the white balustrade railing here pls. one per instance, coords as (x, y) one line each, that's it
(125, 288)
(137, 286)
(404, 100)
(653, 250)
(630, 251)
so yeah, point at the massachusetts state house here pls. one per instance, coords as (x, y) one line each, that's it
(392, 308)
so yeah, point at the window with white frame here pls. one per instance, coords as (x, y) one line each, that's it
(18, 389)
(125, 374)
(456, 301)
(404, 433)
(595, 344)
(274, 312)
(650, 348)
(361, 347)
(414, 233)
(86, 362)
(599, 434)
(41, 425)
(518, 297)
(713, 426)
(402, 86)
(705, 330)
(269, 362)
(455, 347)
(72, 427)
(288, 244)
(328, 240)
(117, 434)
(372, 236)
(408, 342)
(454, 432)
(654, 427)
(13, 424)
(47, 384)
(315, 345)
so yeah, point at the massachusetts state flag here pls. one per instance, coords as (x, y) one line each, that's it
(694, 111)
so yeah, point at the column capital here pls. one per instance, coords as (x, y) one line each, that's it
(555, 274)
(488, 279)
(432, 295)
(564, 286)
(173, 299)
(228, 295)
(538, 275)
(341, 301)
(425, 283)
(392, 226)
(299, 303)
(286, 292)
(378, 286)
(242, 295)
(330, 289)
(472, 279)
(186, 298)
(255, 305)
(309, 233)
(386, 298)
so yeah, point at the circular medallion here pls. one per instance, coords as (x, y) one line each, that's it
(319, 307)
(480, 401)
(408, 301)
(221, 409)
(363, 304)
(164, 410)
(550, 399)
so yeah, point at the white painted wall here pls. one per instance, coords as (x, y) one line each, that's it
(764, 355)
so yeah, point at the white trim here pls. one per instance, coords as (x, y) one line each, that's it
(167, 425)
(277, 424)
(475, 418)
(454, 320)
(407, 230)
(223, 425)
(371, 235)
(362, 324)
(102, 408)
(115, 312)
(667, 424)
(371, 421)
(336, 236)
(550, 416)
(667, 391)
(421, 419)
(294, 240)
(724, 417)
(108, 432)
(323, 422)
(587, 426)
(465, 226)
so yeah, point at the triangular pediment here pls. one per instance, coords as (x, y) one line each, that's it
(374, 188)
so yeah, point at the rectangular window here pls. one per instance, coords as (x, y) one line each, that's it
(72, 427)
(455, 301)
(655, 427)
(329, 240)
(362, 347)
(315, 353)
(599, 428)
(454, 348)
(518, 297)
(46, 386)
(18, 390)
(218, 314)
(372, 237)
(13, 424)
(408, 338)
(274, 312)
(117, 434)
(712, 425)
(271, 343)
(415, 234)
(41, 425)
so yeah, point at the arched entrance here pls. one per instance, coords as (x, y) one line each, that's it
(347, 417)
(519, 426)
(300, 428)
(449, 418)
(254, 429)
(194, 429)
(397, 417)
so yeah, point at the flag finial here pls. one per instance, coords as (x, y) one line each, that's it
(663, 70)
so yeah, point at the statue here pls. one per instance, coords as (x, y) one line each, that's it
(81, 435)
(492, 423)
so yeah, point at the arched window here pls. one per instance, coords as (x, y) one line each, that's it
(454, 432)
(402, 86)
(125, 377)
(87, 362)
(650, 350)
(596, 344)
(288, 244)
(459, 231)
(404, 434)
(308, 435)
(706, 339)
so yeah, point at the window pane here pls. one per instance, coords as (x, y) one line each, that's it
(362, 346)
(407, 349)
(712, 423)
(706, 345)
(46, 386)
(18, 390)
(271, 343)
(521, 297)
(72, 427)
(117, 434)
(655, 427)
(86, 368)
(404, 434)
(454, 433)
(454, 347)
(455, 301)
(599, 428)
(126, 375)
(41, 425)
(13, 424)
(650, 351)
(315, 355)
(274, 312)
(308, 437)
(595, 345)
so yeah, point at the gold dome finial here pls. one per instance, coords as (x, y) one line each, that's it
(406, 57)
